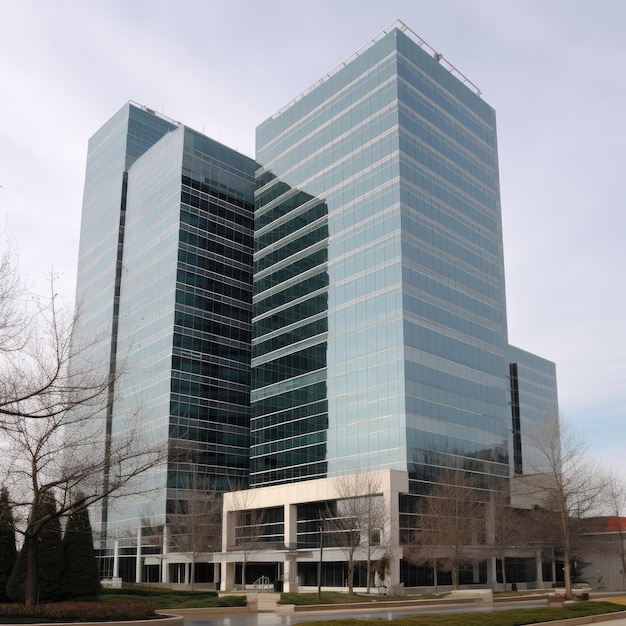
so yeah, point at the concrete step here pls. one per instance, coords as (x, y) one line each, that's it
(266, 601)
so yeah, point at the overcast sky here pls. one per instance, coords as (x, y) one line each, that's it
(554, 70)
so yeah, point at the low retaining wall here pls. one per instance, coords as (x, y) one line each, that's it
(475, 595)
(472, 596)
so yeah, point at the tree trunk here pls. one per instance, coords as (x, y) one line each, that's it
(567, 574)
(350, 577)
(455, 576)
(622, 554)
(31, 585)
(504, 571)
(192, 575)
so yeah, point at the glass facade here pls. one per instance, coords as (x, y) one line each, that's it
(452, 275)
(379, 324)
(534, 400)
(112, 150)
(168, 285)
(290, 415)
(338, 309)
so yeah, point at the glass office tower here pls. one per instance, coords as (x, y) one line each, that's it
(165, 285)
(346, 316)
(379, 327)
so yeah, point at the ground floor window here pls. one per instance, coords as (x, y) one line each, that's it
(334, 574)
(127, 570)
(518, 570)
(258, 572)
(127, 567)
(424, 575)
(203, 572)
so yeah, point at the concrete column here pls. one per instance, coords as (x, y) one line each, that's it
(539, 570)
(291, 526)
(475, 573)
(391, 486)
(165, 570)
(217, 568)
(290, 571)
(392, 504)
(227, 582)
(394, 570)
(166, 539)
(229, 521)
(116, 559)
(290, 575)
(229, 518)
(492, 573)
(138, 558)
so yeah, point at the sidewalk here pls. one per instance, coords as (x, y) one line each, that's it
(260, 601)
(266, 602)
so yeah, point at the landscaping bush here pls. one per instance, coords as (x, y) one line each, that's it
(117, 605)
(81, 575)
(233, 601)
(147, 592)
(80, 611)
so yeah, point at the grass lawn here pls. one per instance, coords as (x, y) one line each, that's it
(514, 617)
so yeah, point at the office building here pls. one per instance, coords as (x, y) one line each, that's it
(164, 286)
(366, 336)
(379, 327)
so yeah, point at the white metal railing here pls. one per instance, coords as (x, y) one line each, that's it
(263, 582)
(401, 26)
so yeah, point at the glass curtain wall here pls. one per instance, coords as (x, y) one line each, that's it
(406, 343)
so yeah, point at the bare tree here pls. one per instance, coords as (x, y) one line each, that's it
(16, 320)
(195, 527)
(36, 347)
(614, 542)
(571, 487)
(451, 519)
(246, 521)
(358, 520)
(60, 456)
(506, 527)
(52, 399)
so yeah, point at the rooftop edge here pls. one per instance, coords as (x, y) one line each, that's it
(402, 27)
